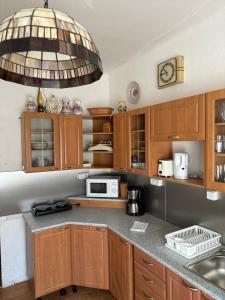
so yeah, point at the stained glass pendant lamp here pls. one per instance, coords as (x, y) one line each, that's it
(43, 47)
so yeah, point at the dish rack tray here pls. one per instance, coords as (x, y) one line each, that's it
(192, 241)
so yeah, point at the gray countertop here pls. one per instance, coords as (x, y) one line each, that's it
(151, 242)
(83, 197)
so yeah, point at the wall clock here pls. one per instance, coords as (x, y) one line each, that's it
(171, 72)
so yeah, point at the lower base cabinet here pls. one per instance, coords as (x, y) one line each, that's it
(205, 297)
(90, 256)
(149, 277)
(179, 289)
(52, 260)
(121, 267)
(97, 258)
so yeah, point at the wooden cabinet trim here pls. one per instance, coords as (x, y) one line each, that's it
(146, 112)
(73, 160)
(210, 161)
(120, 137)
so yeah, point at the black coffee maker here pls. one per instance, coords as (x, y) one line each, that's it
(135, 206)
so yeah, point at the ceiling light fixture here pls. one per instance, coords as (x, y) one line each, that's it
(46, 48)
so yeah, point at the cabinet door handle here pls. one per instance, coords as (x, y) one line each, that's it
(100, 229)
(175, 137)
(147, 280)
(190, 288)
(124, 243)
(147, 263)
(63, 229)
(147, 297)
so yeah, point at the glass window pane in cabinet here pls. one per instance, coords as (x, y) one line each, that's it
(220, 111)
(141, 122)
(42, 142)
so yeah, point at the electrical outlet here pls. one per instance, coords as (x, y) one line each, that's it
(82, 176)
(157, 182)
(212, 195)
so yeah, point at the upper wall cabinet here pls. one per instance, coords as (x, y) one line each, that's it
(120, 141)
(179, 120)
(138, 126)
(215, 141)
(51, 142)
(41, 144)
(71, 142)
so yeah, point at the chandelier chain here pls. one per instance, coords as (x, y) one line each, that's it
(46, 4)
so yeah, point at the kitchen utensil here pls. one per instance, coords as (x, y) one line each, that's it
(100, 111)
(54, 105)
(135, 206)
(180, 165)
(165, 167)
(219, 143)
(192, 241)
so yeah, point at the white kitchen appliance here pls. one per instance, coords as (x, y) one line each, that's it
(180, 165)
(102, 186)
(165, 167)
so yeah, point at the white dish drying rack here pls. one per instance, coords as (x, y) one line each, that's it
(193, 241)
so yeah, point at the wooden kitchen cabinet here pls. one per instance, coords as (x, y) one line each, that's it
(205, 297)
(90, 256)
(71, 142)
(178, 288)
(120, 141)
(52, 260)
(41, 142)
(138, 126)
(51, 142)
(120, 267)
(179, 120)
(215, 160)
(150, 277)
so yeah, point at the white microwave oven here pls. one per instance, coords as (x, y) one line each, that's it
(102, 186)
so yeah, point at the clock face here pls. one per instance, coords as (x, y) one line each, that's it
(167, 72)
(170, 72)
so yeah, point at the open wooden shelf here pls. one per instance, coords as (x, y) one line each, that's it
(98, 152)
(220, 154)
(40, 150)
(42, 132)
(190, 181)
(97, 133)
(99, 167)
(220, 124)
(137, 130)
(196, 182)
(96, 117)
(138, 150)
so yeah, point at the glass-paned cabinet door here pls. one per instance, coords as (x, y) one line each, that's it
(138, 129)
(41, 138)
(215, 150)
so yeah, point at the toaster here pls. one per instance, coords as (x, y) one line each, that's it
(165, 167)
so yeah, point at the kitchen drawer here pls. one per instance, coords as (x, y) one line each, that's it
(143, 292)
(150, 280)
(150, 264)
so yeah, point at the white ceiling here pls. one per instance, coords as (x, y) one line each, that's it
(121, 28)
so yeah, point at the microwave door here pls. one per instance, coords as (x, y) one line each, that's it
(98, 189)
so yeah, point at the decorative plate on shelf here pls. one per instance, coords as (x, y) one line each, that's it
(133, 92)
(53, 105)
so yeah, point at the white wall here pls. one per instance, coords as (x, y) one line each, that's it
(13, 98)
(203, 48)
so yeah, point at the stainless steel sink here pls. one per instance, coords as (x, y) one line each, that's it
(211, 268)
